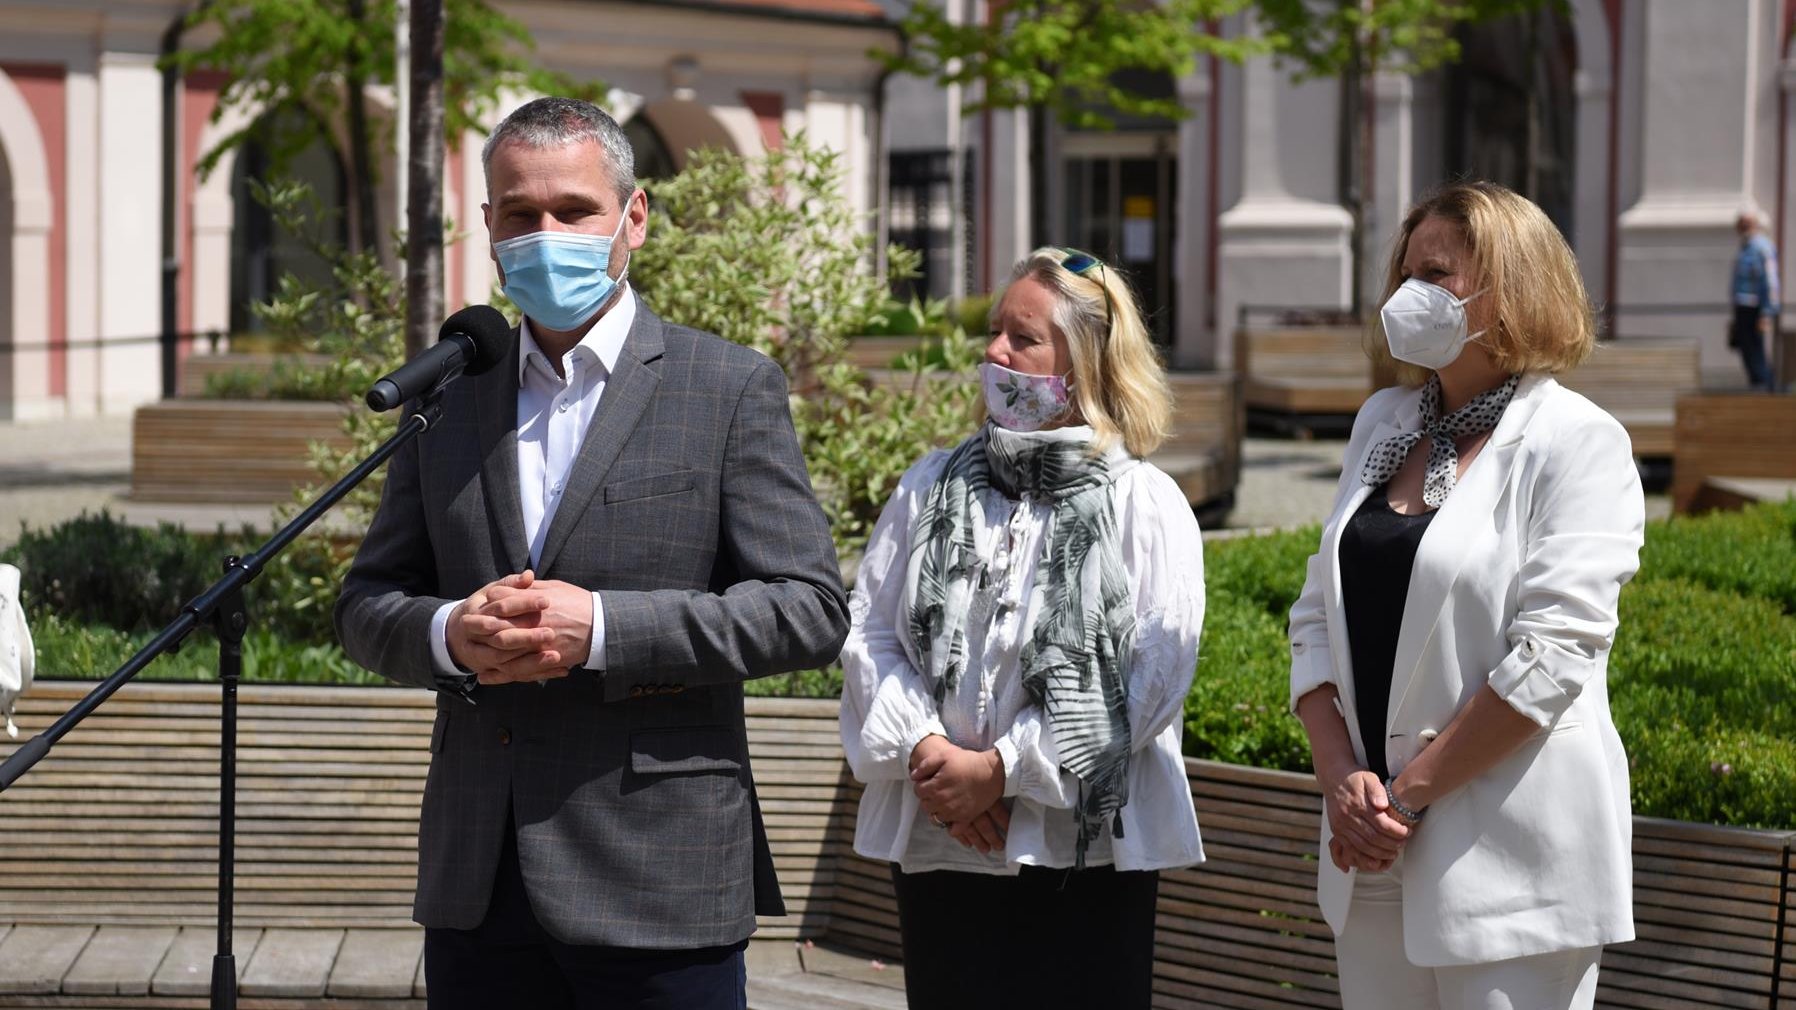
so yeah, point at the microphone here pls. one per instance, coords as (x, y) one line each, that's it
(470, 342)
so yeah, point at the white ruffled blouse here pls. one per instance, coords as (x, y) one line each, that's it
(887, 710)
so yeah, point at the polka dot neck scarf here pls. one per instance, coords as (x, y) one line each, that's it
(1476, 417)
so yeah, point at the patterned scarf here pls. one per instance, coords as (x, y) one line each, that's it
(1079, 623)
(1476, 417)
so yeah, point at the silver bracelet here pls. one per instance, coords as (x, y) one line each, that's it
(1403, 810)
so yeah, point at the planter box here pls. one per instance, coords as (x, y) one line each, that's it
(240, 451)
(1731, 448)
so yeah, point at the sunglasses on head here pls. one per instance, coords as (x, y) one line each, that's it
(1079, 262)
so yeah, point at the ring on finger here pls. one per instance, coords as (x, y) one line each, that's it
(938, 822)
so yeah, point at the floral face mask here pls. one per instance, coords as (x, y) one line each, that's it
(1023, 402)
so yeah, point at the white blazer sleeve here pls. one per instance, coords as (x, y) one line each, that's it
(886, 709)
(1311, 664)
(1163, 553)
(1585, 528)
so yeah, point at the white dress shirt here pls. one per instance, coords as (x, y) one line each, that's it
(554, 413)
(887, 710)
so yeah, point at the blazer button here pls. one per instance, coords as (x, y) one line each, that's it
(504, 737)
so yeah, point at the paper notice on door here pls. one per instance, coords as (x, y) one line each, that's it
(1137, 239)
(1138, 229)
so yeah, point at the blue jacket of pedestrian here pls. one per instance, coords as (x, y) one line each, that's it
(1755, 275)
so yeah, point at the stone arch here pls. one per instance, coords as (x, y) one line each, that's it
(215, 209)
(686, 126)
(25, 220)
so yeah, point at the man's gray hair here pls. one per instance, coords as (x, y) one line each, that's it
(560, 122)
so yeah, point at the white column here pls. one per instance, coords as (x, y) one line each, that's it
(1590, 201)
(130, 200)
(1393, 185)
(1707, 147)
(1009, 212)
(1194, 345)
(477, 272)
(835, 118)
(1285, 238)
(82, 241)
(25, 291)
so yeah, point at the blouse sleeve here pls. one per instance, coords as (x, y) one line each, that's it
(1585, 531)
(886, 709)
(1164, 556)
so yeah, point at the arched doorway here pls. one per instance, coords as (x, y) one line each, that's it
(262, 252)
(653, 158)
(1511, 110)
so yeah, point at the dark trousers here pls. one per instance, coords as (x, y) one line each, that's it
(1747, 339)
(1045, 939)
(509, 961)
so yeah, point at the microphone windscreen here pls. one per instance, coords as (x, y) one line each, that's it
(486, 326)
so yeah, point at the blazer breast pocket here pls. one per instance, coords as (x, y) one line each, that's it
(654, 486)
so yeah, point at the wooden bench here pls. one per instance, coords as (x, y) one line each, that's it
(106, 885)
(1732, 447)
(1306, 376)
(251, 451)
(1638, 381)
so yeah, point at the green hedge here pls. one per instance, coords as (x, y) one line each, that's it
(1702, 678)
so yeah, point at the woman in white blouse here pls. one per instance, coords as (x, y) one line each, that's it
(1025, 630)
(1450, 648)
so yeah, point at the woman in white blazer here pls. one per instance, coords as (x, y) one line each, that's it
(1450, 648)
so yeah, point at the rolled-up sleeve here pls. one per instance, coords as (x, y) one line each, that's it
(1585, 529)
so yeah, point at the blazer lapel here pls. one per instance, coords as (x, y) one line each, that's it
(1440, 557)
(628, 390)
(496, 400)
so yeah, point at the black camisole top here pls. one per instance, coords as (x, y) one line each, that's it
(1378, 551)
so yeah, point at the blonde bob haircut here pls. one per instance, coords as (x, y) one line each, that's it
(1118, 381)
(1540, 316)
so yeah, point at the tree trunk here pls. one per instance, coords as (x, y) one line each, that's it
(364, 233)
(1038, 178)
(424, 211)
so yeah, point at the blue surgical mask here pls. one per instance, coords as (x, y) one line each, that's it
(560, 279)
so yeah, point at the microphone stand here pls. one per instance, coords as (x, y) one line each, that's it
(222, 607)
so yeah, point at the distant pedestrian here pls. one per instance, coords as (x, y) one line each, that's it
(1756, 291)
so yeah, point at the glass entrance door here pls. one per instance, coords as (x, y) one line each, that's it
(1119, 190)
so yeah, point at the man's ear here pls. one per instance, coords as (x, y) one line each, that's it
(638, 213)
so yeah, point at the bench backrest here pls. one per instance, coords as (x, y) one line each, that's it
(1331, 352)
(1638, 374)
(1731, 435)
(228, 450)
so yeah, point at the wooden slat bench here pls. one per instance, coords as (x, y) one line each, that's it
(106, 883)
(1639, 380)
(1305, 377)
(253, 451)
(1724, 441)
(108, 878)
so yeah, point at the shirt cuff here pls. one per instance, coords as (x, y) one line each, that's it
(1522, 680)
(1311, 668)
(595, 657)
(1007, 753)
(439, 639)
(924, 729)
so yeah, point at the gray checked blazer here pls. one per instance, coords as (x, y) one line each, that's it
(690, 512)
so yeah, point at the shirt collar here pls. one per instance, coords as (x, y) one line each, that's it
(605, 341)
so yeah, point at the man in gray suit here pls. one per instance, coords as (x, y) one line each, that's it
(599, 542)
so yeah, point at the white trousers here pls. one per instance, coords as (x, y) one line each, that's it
(1375, 974)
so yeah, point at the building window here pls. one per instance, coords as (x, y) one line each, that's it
(921, 217)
